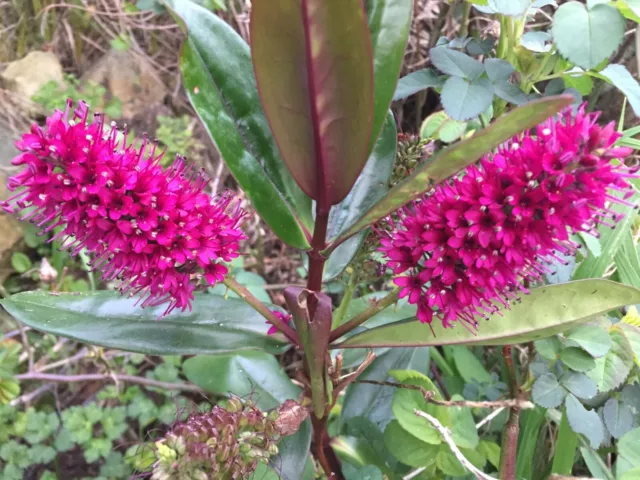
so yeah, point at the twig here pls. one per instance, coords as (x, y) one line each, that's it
(25, 344)
(352, 377)
(365, 315)
(50, 377)
(446, 436)
(428, 396)
(414, 474)
(29, 397)
(489, 417)
(262, 309)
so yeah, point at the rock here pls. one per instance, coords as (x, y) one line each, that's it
(128, 78)
(10, 228)
(27, 75)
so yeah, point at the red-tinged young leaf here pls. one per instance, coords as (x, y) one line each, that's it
(218, 77)
(313, 65)
(451, 160)
(312, 317)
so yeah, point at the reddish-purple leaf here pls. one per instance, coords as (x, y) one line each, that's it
(313, 66)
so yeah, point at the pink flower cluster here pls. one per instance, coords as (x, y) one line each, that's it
(285, 317)
(154, 229)
(478, 238)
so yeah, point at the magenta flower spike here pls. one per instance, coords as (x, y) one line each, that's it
(154, 229)
(474, 244)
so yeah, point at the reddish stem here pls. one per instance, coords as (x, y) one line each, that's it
(511, 430)
(324, 453)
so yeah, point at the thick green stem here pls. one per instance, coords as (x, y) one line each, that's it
(262, 309)
(365, 315)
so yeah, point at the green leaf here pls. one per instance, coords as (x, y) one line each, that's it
(20, 262)
(389, 24)
(539, 42)
(416, 82)
(625, 82)
(259, 376)
(577, 359)
(595, 464)
(491, 451)
(469, 367)
(618, 418)
(592, 338)
(463, 99)
(354, 450)
(582, 83)
(612, 369)
(547, 392)
(463, 427)
(406, 402)
(547, 311)
(439, 126)
(451, 160)
(106, 318)
(630, 9)
(368, 472)
(549, 348)
(627, 261)
(374, 401)
(579, 384)
(217, 74)
(449, 464)
(628, 447)
(371, 186)
(587, 37)
(456, 63)
(512, 8)
(407, 448)
(372, 439)
(586, 422)
(314, 70)
(633, 335)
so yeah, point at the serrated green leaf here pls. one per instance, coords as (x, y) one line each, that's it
(549, 348)
(547, 311)
(416, 82)
(463, 99)
(547, 392)
(586, 422)
(592, 338)
(618, 418)
(587, 37)
(612, 369)
(579, 384)
(577, 359)
(625, 82)
(456, 63)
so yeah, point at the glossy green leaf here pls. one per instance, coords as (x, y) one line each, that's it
(612, 369)
(547, 311)
(259, 376)
(584, 36)
(371, 186)
(218, 78)
(106, 318)
(407, 448)
(454, 158)
(313, 65)
(416, 82)
(586, 422)
(389, 23)
(374, 401)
